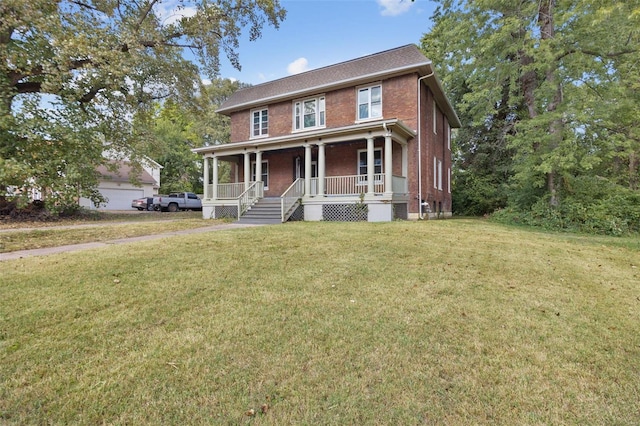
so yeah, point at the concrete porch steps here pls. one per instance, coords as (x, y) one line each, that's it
(265, 211)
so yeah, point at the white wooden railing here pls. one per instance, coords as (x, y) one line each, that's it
(250, 196)
(291, 197)
(225, 191)
(348, 185)
(230, 190)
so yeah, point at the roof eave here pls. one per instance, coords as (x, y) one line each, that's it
(443, 100)
(342, 132)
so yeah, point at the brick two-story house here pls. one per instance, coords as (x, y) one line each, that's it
(366, 139)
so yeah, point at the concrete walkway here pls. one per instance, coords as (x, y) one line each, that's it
(77, 247)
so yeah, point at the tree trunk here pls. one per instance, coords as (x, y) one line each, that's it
(634, 163)
(547, 32)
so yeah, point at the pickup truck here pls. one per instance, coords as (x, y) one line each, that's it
(180, 201)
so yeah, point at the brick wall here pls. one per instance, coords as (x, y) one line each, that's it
(399, 101)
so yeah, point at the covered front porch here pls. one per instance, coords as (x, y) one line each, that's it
(307, 176)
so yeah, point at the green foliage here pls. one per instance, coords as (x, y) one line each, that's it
(475, 195)
(589, 204)
(546, 91)
(178, 128)
(79, 77)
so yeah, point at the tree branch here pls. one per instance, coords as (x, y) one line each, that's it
(610, 55)
(145, 13)
(86, 6)
(28, 87)
(88, 97)
(153, 44)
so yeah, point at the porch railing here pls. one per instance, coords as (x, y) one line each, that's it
(291, 197)
(230, 190)
(250, 196)
(348, 185)
(225, 191)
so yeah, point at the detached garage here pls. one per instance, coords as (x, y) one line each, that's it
(116, 185)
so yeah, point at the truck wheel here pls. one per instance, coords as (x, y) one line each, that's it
(173, 207)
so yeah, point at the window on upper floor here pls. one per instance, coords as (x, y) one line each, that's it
(309, 113)
(259, 123)
(369, 102)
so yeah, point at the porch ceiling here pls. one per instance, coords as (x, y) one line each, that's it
(397, 129)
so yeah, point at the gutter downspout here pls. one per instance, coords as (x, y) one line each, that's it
(420, 214)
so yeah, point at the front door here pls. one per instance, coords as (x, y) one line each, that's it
(314, 172)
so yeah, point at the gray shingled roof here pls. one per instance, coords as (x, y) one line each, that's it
(387, 62)
(123, 173)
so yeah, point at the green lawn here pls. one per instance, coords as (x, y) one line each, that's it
(437, 322)
(14, 239)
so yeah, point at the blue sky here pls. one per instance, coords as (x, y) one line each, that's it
(318, 33)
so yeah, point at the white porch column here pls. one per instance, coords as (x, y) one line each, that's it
(205, 177)
(307, 170)
(247, 170)
(214, 185)
(321, 169)
(388, 164)
(370, 166)
(405, 166)
(258, 166)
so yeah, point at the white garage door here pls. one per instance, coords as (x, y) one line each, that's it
(120, 199)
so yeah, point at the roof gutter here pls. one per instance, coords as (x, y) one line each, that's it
(343, 133)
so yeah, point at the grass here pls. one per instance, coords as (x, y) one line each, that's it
(93, 216)
(440, 322)
(113, 227)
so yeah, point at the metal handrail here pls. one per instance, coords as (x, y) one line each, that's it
(290, 197)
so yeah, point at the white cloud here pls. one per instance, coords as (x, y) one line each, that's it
(394, 7)
(298, 66)
(171, 12)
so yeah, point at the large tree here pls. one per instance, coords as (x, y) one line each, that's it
(77, 74)
(547, 92)
(178, 128)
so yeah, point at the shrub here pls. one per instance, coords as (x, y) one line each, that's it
(588, 204)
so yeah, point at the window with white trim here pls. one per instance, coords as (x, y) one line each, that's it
(369, 102)
(259, 123)
(435, 117)
(309, 113)
(449, 179)
(264, 174)
(439, 175)
(448, 130)
(435, 172)
(377, 165)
